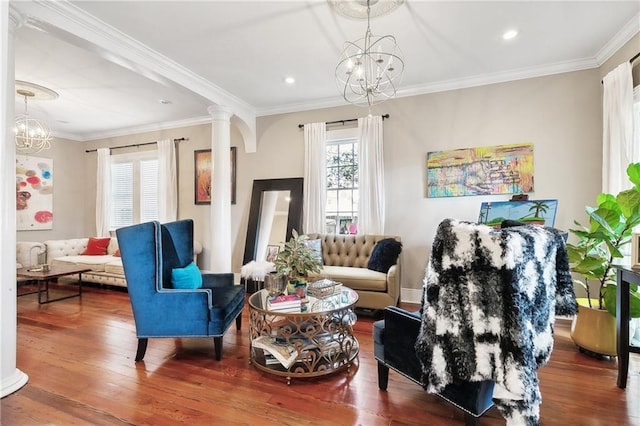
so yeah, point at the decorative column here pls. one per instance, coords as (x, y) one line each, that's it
(220, 234)
(11, 379)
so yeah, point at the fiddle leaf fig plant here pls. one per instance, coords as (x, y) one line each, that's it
(599, 244)
(297, 260)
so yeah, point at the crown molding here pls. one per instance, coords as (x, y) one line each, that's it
(62, 18)
(145, 128)
(446, 85)
(624, 35)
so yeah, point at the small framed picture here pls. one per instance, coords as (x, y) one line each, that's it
(635, 251)
(272, 253)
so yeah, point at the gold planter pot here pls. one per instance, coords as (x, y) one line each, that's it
(594, 329)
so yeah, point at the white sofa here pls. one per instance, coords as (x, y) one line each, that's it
(27, 253)
(105, 269)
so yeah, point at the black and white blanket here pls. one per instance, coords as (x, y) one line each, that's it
(490, 299)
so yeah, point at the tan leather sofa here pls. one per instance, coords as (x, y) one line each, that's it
(345, 259)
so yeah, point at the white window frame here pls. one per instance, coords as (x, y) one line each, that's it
(136, 158)
(333, 137)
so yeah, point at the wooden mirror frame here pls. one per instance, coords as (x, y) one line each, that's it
(294, 219)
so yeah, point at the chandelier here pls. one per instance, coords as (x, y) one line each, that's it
(370, 68)
(32, 135)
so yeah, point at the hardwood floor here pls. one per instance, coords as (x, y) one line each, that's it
(79, 358)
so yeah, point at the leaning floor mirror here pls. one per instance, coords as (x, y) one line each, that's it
(276, 209)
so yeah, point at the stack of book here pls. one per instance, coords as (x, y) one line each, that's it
(285, 303)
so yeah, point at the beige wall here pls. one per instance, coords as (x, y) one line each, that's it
(559, 114)
(68, 192)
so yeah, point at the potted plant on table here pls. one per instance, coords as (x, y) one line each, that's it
(296, 261)
(594, 256)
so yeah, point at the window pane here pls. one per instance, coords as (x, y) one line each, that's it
(332, 155)
(149, 190)
(347, 175)
(332, 202)
(342, 178)
(332, 177)
(121, 195)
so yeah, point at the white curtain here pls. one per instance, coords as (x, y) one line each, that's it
(103, 192)
(167, 181)
(370, 152)
(315, 178)
(618, 149)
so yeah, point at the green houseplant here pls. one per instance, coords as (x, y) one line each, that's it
(297, 260)
(599, 246)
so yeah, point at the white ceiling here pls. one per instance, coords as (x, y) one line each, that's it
(246, 48)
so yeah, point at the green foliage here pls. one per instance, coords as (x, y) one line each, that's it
(610, 226)
(297, 259)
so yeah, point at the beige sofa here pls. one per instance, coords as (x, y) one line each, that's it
(105, 269)
(345, 259)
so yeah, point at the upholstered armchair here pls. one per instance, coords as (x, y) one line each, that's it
(169, 296)
(490, 297)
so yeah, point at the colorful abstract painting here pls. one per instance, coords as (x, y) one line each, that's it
(500, 169)
(203, 167)
(34, 193)
(538, 212)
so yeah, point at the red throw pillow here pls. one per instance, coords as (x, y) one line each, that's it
(117, 253)
(96, 247)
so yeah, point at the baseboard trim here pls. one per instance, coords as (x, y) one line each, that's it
(411, 295)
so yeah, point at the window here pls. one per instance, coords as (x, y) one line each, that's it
(134, 189)
(342, 182)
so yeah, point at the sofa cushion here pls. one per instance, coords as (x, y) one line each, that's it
(188, 277)
(356, 278)
(95, 263)
(96, 246)
(384, 255)
(114, 267)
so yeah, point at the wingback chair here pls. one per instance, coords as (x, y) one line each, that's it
(150, 253)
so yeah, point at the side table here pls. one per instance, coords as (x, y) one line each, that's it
(625, 277)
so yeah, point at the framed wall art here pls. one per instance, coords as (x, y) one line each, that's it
(202, 175)
(34, 193)
(499, 169)
(535, 212)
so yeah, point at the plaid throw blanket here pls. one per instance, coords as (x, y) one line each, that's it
(490, 298)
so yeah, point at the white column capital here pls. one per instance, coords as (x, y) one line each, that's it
(16, 18)
(220, 112)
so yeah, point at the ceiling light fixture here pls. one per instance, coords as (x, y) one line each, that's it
(32, 135)
(370, 68)
(508, 35)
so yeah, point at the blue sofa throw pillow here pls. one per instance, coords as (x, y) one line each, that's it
(384, 255)
(188, 277)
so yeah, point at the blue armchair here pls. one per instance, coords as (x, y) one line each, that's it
(150, 252)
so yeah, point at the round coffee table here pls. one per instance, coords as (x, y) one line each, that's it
(313, 343)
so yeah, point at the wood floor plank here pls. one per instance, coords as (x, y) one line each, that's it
(79, 354)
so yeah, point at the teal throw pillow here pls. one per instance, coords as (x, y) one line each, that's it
(188, 277)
